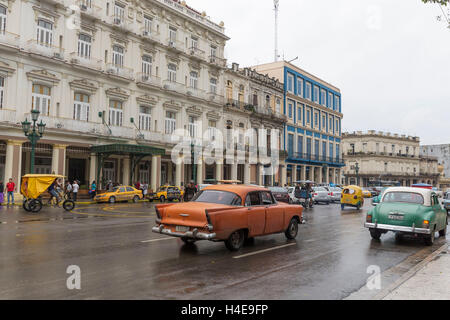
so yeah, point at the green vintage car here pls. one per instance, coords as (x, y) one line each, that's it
(408, 211)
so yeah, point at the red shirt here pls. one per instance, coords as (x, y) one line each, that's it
(10, 186)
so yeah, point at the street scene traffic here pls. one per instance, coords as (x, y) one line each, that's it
(265, 150)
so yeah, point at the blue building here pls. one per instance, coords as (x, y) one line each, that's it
(312, 134)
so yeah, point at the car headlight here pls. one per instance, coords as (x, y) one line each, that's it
(426, 224)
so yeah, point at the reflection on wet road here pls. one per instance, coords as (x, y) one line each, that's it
(120, 258)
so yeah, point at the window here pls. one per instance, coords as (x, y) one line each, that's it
(290, 83)
(41, 98)
(253, 199)
(308, 91)
(147, 25)
(2, 19)
(331, 148)
(172, 72)
(331, 125)
(300, 87)
(192, 127)
(218, 197)
(336, 103)
(266, 198)
(267, 101)
(324, 149)
(170, 122)
(115, 113)
(119, 13)
(316, 94)
(147, 65)
(338, 152)
(84, 46)
(330, 100)
(145, 118)
(81, 107)
(278, 106)
(323, 97)
(300, 112)
(172, 35)
(308, 116)
(324, 122)
(45, 33)
(336, 128)
(290, 110)
(316, 119)
(117, 57)
(213, 85)
(193, 80)
(300, 144)
(212, 127)
(2, 86)
(213, 51)
(194, 43)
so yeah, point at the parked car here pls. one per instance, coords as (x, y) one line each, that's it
(320, 194)
(168, 193)
(352, 196)
(408, 211)
(446, 202)
(229, 213)
(119, 194)
(336, 194)
(281, 194)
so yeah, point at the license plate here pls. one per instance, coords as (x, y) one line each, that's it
(395, 217)
(182, 229)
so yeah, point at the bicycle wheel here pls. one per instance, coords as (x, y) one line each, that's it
(35, 205)
(69, 205)
(26, 205)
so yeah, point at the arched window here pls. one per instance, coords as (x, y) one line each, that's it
(41, 98)
(81, 107)
(115, 113)
(2, 86)
(172, 72)
(193, 81)
(267, 101)
(2, 19)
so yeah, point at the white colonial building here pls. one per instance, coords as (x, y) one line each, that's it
(113, 81)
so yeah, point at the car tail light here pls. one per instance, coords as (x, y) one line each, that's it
(332, 194)
(315, 194)
(329, 194)
(369, 218)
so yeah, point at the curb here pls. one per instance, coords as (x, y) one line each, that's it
(412, 272)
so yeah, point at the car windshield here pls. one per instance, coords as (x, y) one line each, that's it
(283, 190)
(115, 189)
(407, 197)
(219, 197)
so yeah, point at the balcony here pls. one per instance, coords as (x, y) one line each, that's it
(219, 62)
(89, 9)
(232, 104)
(122, 23)
(174, 86)
(123, 132)
(314, 158)
(44, 49)
(196, 53)
(120, 71)
(144, 79)
(195, 92)
(175, 45)
(62, 3)
(70, 125)
(8, 116)
(87, 62)
(152, 35)
(9, 39)
(214, 97)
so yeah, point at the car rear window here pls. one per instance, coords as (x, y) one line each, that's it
(319, 189)
(278, 190)
(349, 191)
(219, 197)
(405, 197)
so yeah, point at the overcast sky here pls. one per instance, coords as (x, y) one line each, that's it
(391, 59)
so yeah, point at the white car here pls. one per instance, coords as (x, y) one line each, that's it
(321, 194)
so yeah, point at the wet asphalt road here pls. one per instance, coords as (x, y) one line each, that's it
(120, 258)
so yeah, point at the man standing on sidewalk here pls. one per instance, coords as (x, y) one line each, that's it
(75, 188)
(10, 188)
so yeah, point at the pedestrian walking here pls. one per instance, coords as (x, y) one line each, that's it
(10, 188)
(145, 189)
(93, 191)
(68, 190)
(75, 188)
(2, 189)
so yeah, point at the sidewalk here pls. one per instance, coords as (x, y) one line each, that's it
(430, 283)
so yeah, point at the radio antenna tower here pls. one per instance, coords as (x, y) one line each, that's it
(276, 4)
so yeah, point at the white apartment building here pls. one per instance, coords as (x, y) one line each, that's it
(386, 157)
(104, 74)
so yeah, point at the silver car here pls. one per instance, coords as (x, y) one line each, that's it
(336, 194)
(320, 194)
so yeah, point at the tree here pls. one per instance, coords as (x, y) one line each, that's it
(441, 2)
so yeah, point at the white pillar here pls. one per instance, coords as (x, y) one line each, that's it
(55, 156)
(313, 174)
(283, 175)
(247, 173)
(234, 171)
(126, 171)
(156, 172)
(13, 164)
(179, 172)
(303, 173)
(93, 169)
(219, 170)
(320, 175)
(200, 171)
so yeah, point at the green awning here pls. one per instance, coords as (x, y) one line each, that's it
(128, 149)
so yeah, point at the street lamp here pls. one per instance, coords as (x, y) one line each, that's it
(194, 166)
(33, 135)
(357, 173)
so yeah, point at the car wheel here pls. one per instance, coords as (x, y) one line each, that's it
(292, 230)
(429, 241)
(398, 237)
(162, 199)
(235, 240)
(112, 200)
(188, 241)
(358, 207)
(136, 199)
(375, 234)
(443, 232)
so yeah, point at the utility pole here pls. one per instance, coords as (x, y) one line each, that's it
(276, 7)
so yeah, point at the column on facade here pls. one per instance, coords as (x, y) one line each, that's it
(313, 173)
(247, 173)
(200, 170)
(303, 173)
(93, 169)
(219, 169)
(59, 159)
(340, 176)
(283, 173)
(179, 172)
(320, 174)
(126, 171)
(260, 176)
(327, 175)
(333, 175)
(13, 162)
(156, 172)
(234, 170)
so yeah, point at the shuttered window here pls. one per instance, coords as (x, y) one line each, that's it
(41, 98)
(81, 107)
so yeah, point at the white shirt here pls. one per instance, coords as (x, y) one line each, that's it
(75, 187)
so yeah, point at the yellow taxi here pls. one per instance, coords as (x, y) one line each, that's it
(168, 193)
(352, 196)
(367, 194)
(120, 193)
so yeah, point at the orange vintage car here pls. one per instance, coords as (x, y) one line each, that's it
(229, 213)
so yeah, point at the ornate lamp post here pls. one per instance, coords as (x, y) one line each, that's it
(32, 134)
(357, 173)
(194, 166)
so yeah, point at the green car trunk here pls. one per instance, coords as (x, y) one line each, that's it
(402, 214)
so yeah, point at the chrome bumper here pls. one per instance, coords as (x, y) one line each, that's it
(190, 234)
(388, 227)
